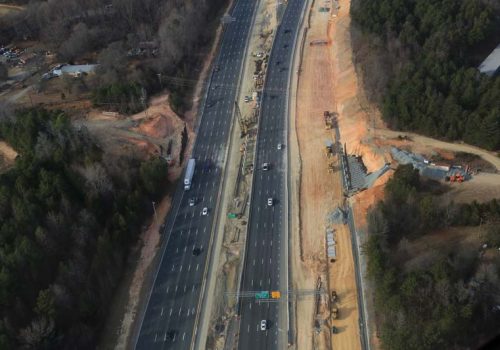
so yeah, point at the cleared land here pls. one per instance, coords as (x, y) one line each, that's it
(320, 193)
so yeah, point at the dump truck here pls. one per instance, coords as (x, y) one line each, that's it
(188, 178)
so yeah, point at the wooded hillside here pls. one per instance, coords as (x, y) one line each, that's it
(68, 216)
(166, 37)
(442, 298)
(425, 77)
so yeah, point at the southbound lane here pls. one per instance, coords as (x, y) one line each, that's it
(169, 319)
(265, 266)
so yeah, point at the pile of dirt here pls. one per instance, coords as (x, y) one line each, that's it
(157, 126)
(159, 120)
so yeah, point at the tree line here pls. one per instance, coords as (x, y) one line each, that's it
(166, 37)
(442, 299)
(69, 214)
(427, 80)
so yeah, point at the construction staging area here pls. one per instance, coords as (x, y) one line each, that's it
(322, 247)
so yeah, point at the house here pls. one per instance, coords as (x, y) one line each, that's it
(74, 70)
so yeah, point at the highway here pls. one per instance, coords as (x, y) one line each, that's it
(265, 266)
(169, 320)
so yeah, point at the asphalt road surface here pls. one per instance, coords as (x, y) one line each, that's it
(169, 319)
(265, 266)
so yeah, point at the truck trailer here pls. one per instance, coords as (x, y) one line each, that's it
(188, 178)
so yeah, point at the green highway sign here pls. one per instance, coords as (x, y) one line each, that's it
(262, 295)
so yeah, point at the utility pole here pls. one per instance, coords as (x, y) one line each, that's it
(154, 210)
(159, 78)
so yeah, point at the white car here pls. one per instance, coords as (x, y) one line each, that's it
(279, 146)
(270, 202)
(263, 325)
(192, 202)
(204, 211)
(265, 166)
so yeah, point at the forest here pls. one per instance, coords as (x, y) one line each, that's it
(419, 61)
(442, 299)
(69, 213)
(145, 42)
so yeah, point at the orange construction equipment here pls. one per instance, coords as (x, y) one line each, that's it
(457, 178)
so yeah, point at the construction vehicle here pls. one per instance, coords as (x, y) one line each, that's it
(331, 167)
(457, 177)
(334, 296)
(328, 148)
(335, 313)
(330, 119)
(188, 178)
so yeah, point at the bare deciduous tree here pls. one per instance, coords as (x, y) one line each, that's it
(97, 179)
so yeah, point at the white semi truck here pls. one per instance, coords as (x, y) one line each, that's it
(188, 178)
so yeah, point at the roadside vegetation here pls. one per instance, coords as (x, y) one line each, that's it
(69, 214)
(441, 299)
(143, 42)
(419, 61)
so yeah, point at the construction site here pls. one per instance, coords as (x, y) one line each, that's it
(344, 155)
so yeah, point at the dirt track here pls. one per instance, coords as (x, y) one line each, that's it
(419, 141)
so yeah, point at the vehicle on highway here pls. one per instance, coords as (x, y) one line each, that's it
(192, 201)
(171, 335)
(197, 251)
(204, 211)
(270, 202)
(280, 146)
(188, 178)
(265, 166)
(217, 68)
(263, 325)
(288, 31)
(285, 46)
(248, 99)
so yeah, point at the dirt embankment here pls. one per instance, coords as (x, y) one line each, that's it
(7, 156)
(327, 82)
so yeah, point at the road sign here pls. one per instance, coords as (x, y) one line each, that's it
(275, 294)
(232, 216)
(262, 295)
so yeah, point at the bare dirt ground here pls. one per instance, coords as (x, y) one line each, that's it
(7, 156)
(147, 130)
(321, 193)
(423, 144)
(483, 188)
